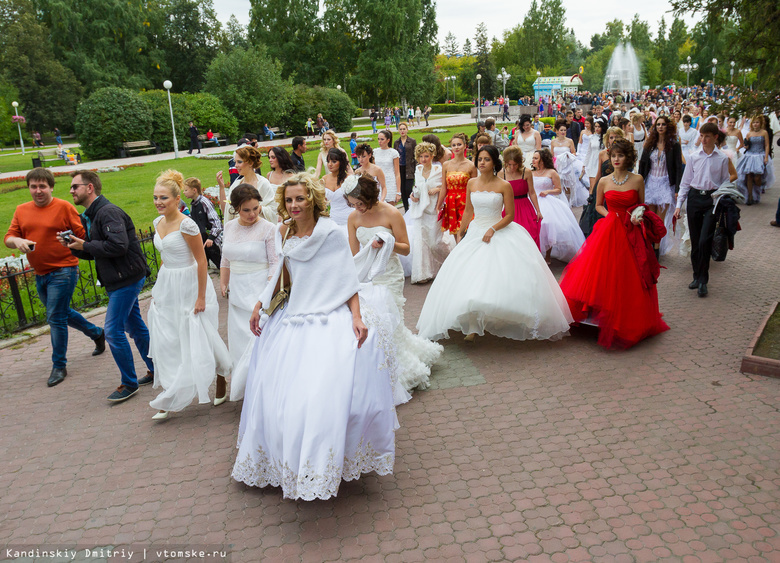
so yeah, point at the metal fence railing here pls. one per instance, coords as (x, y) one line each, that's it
(20, 307)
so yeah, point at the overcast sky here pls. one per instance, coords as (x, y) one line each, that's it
(462, 16)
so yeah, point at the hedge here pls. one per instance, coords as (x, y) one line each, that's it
(161, 119)
(335, 106)
(109, 117)
(459, 107)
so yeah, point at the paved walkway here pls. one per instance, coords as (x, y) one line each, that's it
(142, 159)
(520, 451)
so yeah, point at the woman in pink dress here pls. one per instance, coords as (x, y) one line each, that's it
(527, 213)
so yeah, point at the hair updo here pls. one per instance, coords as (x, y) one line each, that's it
(250, 155)
(172, 180)
(626, 148)
(366, 191)
(493, 153)
(241, 194)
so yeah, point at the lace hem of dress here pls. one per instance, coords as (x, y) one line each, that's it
(310, 484)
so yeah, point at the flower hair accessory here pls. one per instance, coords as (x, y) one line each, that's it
(351, 187)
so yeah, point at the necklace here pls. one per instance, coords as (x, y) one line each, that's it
(621, 182)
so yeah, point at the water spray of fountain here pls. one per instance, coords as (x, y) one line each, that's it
(623, 70)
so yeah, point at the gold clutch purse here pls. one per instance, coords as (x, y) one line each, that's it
(280, 298)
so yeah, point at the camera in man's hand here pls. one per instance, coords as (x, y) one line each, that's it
(65, 235)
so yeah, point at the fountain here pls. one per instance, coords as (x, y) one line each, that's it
(623, 70)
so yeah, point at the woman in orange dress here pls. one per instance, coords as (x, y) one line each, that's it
(457, 173)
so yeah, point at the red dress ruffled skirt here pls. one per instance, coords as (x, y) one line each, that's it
(455, 201)
(525, 214)
(604, 283)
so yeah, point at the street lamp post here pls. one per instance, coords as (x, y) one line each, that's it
(18, 124)
(538, 74)
(687, 69)
(447, 83)
(714, 69)
(745, 72)
(168, 85)
(479, 97)
(504, 77)
(731, 73)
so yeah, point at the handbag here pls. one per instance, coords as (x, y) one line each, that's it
(279, 300)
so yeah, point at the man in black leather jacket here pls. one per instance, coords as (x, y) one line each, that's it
(121, 269)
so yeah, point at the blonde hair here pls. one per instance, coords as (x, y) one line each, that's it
(514, 154)
(315, 195)
(617, 132)
(194, 183)
(335, 139)
(636, 117)
(173, 180)
(425, 147)
(250, 154)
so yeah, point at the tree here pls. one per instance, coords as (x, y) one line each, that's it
(235, 34)
(189, 41)
(8, 94)
(105, 42)
(483, 64)
(467, 50)
(48, 91)
(250, 85)
(450, 45)
(290, 31)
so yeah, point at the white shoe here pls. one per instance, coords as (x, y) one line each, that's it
(471, 337)
(162, 415)
(219, 400)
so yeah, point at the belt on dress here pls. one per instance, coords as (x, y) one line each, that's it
(702, 192)
(521, 196)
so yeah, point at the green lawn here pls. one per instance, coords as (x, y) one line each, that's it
(10, 162)
(132, 188)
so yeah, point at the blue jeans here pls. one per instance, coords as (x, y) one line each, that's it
(55, 289)
(124, 316)
(373, 125)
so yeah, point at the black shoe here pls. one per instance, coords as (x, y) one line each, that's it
(694, 284)
(703, 290)
(100, 344)
(57, 376)
(122, 393)
(147, 379)
(657, 253)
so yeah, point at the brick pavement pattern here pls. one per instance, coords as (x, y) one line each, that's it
(531, 451)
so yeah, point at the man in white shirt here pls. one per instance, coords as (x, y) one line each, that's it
(688, 136)
(704, 173)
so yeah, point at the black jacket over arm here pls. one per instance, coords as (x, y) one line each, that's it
(112, 243)
(674, 166)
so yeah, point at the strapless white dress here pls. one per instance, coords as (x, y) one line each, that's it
(502, 287)
(528, 146)
(560, 230)
(414, 354)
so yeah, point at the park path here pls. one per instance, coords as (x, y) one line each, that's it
(530, 451)
(143, 159)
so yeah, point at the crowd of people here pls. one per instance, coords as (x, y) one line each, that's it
(313, 261)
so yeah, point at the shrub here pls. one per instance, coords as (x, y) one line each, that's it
(250, 85)
(162, 133)
(460, 107)
(335, 106)
(209, 113)
(358, 112)
(109, 117)
(550, 120)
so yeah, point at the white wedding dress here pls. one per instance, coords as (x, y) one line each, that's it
(503, 287)
(248, 252)
(317, 409)
(570, 169)
(560, 230)
(339, 208)
(428, 245)
(415, 355)
(186, 348)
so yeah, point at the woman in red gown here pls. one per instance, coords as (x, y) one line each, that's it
(457, 173)
(611, 281)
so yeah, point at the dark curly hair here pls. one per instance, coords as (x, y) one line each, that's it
(241, 194)
(338, 155)
(368, 192)
(493, 153)
(626, 148)
(523, 120)
(546, 157)
(365, 148)
(283, 161)
(671, 135)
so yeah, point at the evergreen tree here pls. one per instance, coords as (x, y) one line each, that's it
(483, 64)
(450, 45)
(467, 50)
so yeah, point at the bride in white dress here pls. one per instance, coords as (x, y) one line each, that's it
(184, 342)
(428, 249)
(318, 406)
(337, 172)
(570, 168)
(495, 280)
(248, 258)
(247, 159)
(527, 139)
(560, 236)
(415, 355)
